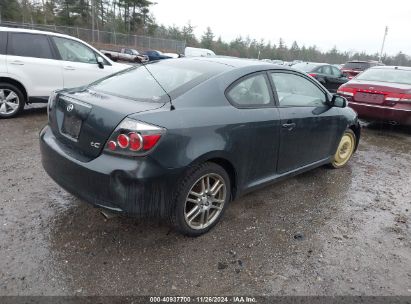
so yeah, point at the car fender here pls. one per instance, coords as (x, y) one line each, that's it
(24, 82)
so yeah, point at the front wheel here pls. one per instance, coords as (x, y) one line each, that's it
(345, 149)
(201, 199)
(11, 100)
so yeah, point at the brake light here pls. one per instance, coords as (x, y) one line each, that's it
(393, 97)
(312, 74)
(123, 141)
(347, 91)
(134, 138)
(136, 141)
(405, 98)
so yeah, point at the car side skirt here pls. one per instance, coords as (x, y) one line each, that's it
(38, 99)
(261, 183)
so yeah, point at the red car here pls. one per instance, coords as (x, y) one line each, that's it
(355, 67)
(381, 93)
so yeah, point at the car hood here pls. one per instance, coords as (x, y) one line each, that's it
(117, 67)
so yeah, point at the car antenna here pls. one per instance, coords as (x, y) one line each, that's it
(169, 97)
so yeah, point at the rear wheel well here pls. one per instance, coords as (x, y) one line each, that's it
(229, 168)
(17, 84)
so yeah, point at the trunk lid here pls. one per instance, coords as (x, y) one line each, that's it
(84, 120)
(379, 87)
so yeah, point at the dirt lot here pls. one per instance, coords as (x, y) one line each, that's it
(326, 232)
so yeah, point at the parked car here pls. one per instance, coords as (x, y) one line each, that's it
(35, 63)
(278, 62)
(125, 54)
(156, 55)
(294, 62)
(355, 67)
(328, 75)
(197, 52)
(381, 93)
(173, 55)
(213, 131)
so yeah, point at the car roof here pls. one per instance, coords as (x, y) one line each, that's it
(30, 31)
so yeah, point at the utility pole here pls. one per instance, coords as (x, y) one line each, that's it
(92, 20)
(383, 42)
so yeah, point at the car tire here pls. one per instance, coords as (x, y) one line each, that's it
(199, 205)
(12, 100)
(345, 149)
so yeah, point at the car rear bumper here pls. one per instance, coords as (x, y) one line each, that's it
(383, 113)
(136, 186)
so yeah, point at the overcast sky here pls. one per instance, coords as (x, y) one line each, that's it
(351, 25)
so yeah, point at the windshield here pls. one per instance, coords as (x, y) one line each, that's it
(138, 83)
(305, 67)
(386, 75)
(134, 52)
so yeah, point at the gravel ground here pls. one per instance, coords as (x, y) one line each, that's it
(325, 232)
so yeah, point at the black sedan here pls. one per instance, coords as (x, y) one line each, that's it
(155, 55)
(328, 75)
(200, 134)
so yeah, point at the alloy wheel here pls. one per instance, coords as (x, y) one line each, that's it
(9, 102)
(205, 201)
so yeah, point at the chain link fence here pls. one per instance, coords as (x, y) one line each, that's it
(100, 38)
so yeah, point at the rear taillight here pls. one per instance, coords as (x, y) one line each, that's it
(134, 138)
(394, 98)
(312, 74)
(405, 98)
(346, 91)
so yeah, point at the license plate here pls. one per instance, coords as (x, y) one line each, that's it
(71, 126)
(368, 97)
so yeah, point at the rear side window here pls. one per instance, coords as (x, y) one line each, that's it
(297, 91)
(250, 92)
(325, 70)
(336, 72)
(29, 45)
(3, 42)
(139, 84)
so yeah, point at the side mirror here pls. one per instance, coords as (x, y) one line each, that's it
(100, 62)
(338, 101)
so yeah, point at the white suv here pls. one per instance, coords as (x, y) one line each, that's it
(34, 63)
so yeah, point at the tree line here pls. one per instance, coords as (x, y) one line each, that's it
(134, 16)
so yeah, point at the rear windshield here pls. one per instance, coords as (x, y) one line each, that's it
(386, 75)
(176, 77)
(361, 66)
(305, 67)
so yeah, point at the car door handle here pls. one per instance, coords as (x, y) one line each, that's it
(289, 126)
(17, 62)
(70, 68)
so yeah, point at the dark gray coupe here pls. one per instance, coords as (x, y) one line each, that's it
(181, 138)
